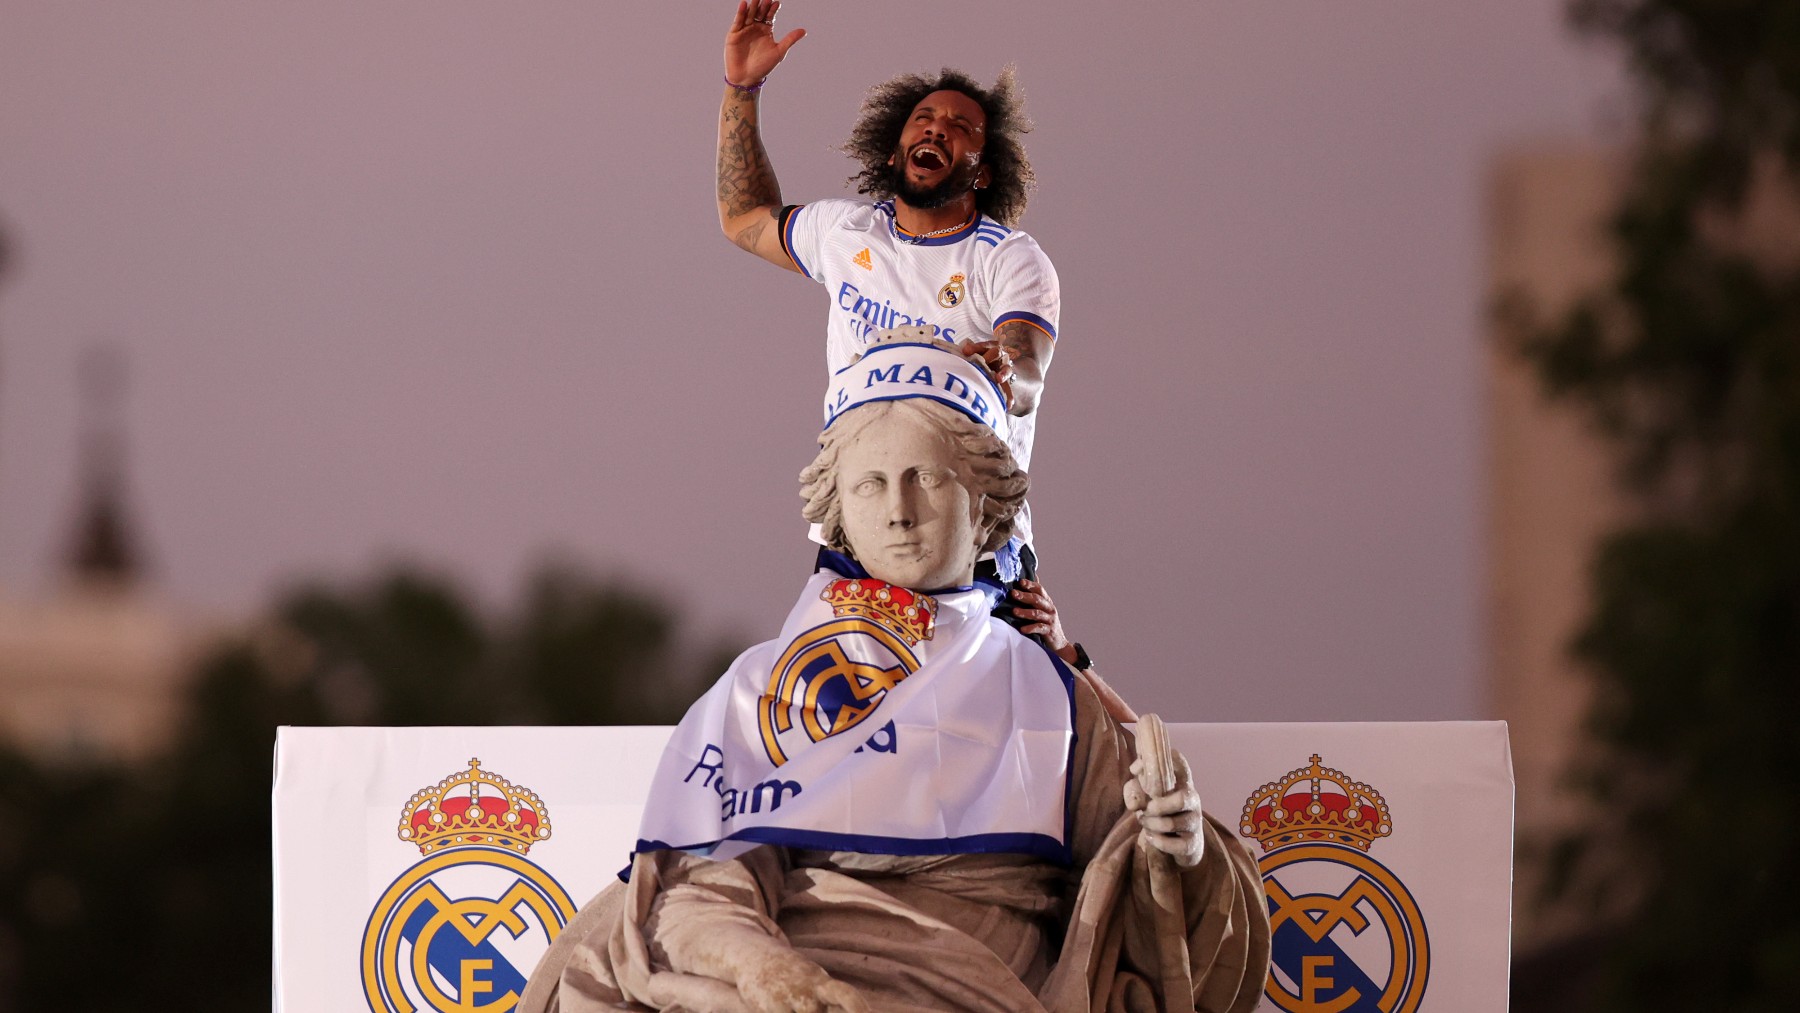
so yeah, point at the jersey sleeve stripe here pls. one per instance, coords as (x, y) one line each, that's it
(1031, 318)
(788, 217)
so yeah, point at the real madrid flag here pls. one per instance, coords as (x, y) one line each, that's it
(883, 721)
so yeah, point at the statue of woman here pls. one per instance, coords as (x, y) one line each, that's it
(903, 803)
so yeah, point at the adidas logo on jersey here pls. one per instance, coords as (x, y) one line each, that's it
(864, 261)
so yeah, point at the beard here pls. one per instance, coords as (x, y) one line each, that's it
(959, 182)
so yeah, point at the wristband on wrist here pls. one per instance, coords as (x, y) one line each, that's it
(1082, 661)
(747, 89)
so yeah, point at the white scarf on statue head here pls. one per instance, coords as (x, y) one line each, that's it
(881, 721)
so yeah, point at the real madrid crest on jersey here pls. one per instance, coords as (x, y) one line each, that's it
(833, 676)
(951, 295)
(1346, 935)
(460, 931)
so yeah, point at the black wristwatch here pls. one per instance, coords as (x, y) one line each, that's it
(1082, 661)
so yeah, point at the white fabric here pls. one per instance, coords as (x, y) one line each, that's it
(955, 743)
(1003, 272)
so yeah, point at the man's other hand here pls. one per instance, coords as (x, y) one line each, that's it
(1039, 611)
(992, 358)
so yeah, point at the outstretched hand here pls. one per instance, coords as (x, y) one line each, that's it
(1171, 822)
(751, 49)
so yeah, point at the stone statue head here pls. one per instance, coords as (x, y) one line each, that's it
(914, 490)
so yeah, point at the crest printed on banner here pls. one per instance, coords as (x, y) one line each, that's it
(460, 931)
(833, 676)
(1346, 935)
(830, 733)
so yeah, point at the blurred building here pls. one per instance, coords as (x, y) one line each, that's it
(1549, 497)
(94, 669)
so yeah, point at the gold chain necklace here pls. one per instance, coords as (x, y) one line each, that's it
(894, 224)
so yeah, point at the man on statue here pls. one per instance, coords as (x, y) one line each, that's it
(936, 246)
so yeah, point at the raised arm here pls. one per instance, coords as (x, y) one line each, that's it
(749, 196)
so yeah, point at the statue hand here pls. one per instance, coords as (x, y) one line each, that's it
(789, 983)
(751, 50)
(989, 355)
(1171, 822)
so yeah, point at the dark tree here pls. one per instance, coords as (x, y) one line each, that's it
(148, 888)
(1689, 362)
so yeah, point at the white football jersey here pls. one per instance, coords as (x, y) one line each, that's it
(964, 284)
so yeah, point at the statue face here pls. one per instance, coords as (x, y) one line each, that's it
(907, 516)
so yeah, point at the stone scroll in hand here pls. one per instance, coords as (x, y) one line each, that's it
(1158, 777)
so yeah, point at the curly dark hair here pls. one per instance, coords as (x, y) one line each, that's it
(884, 113)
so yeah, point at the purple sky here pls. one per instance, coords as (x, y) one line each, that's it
(444, 282)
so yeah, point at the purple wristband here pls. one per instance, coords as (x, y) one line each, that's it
(748, 89)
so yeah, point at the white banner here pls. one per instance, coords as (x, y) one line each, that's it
(408, 877)
(782, 748)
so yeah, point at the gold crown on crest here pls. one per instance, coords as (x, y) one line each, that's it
(1315, 804)
(473, 808)
(907, 614)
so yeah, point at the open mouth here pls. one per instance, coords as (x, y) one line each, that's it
(927, 158)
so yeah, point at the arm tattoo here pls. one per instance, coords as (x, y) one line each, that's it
(1023, 343)
(746, 179)
(749, 235)
(1018, 339)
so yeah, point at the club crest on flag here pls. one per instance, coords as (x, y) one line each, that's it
(1347, 936)
(460, 931)
(832, 677)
